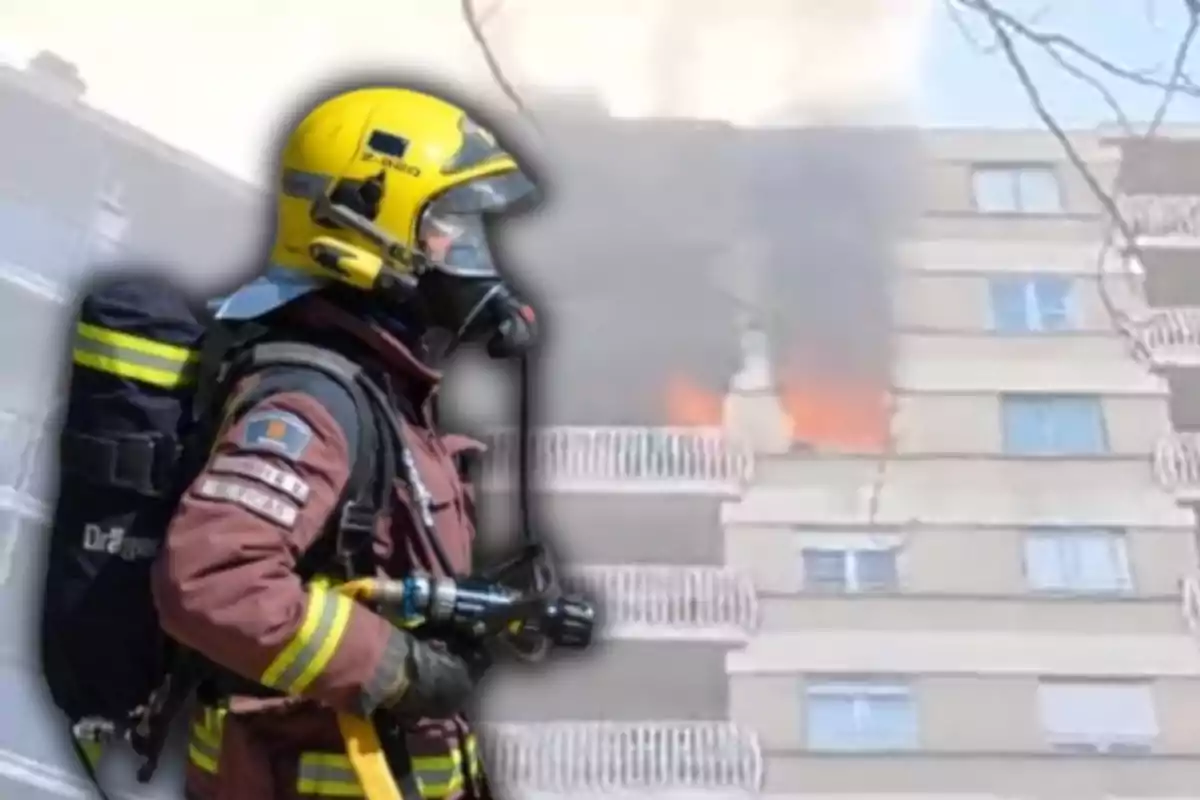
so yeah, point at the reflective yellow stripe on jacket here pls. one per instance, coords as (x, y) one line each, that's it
(309, 652)
(134, 357)
(331, 774)
(204, 749)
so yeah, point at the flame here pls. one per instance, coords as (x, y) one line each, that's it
(827, 412)
(689, 404)
(836, 413)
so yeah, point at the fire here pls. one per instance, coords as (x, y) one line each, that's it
(691, 405)
(827, 412)
(842, 414)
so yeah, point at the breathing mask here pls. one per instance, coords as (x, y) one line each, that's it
(451, 278)
(462, 289)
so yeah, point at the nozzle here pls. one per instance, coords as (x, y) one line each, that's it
(569, 622)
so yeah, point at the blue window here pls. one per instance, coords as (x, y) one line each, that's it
(1031, 304)
(1016, 189)
(861, 715)
(1053, 425)
(1077, 560)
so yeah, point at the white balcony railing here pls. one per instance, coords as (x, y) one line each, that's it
(694, 603)
(1170, 337)
(1177, 465)
(625, 460)
(610, 757)
(1163, 220)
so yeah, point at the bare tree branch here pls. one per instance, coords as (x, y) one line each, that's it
(475, 26)
(1143, 77)
(1007, 45)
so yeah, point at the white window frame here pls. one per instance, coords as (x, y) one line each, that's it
(1068, 566)
(850, 547)
(1087, 733)
(1035, 317)
(860, 693)
(1015, 171)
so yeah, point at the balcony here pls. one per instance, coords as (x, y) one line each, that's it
(580, 758)
(671, 603)
(1163, 220)
(624, 460)
(1169, 337)
(1177, 466)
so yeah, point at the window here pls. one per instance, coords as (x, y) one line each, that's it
(861, 715)
(1053, 425)
(1091, 716)
(1031, 305)
(865, 569)
(1081, 560)
(1030, 189)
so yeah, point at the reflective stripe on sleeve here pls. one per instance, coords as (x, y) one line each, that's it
(312, 648)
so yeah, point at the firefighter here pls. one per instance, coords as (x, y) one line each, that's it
(383, 199)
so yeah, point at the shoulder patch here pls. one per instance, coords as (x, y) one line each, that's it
(277, 432)
(264, 504)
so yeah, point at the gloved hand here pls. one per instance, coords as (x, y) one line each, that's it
(440, 681)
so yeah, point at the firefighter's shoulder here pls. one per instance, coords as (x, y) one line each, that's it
(262, 426)
(288, 442)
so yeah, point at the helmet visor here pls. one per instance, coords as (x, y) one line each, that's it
(452, 233)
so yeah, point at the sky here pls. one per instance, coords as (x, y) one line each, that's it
(962, 87)
(213, 78)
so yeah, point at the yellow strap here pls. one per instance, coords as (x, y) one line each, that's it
(312, 648)
(133, 357)
(365, 752)
(93, 751)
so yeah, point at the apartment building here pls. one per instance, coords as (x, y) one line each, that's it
(993, 609)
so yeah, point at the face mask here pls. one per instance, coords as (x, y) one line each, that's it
(478, 310)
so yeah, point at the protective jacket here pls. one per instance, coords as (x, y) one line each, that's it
(227, 583)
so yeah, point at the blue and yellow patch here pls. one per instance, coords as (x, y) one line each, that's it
(276, 432)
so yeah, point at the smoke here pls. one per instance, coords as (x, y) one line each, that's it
(775, 62)
(719, 173)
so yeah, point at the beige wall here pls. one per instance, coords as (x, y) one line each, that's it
(957, 492)
(965, 424)
(962, 255)
(987, 363)
(1004, 775)
(916, 652)
(983, 230)
(960, 564)
(959, 714)
(959, 302)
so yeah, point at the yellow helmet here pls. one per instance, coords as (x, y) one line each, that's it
(377, 186)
